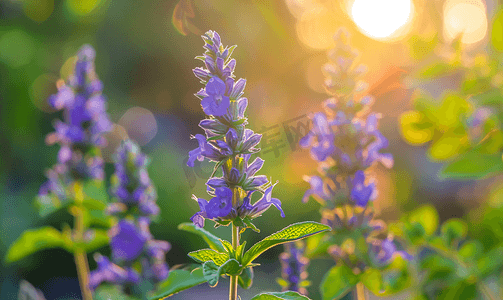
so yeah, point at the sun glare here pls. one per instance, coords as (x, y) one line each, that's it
(382, 19)
(467, 18)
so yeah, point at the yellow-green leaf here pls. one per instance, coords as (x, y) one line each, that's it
(33, 240)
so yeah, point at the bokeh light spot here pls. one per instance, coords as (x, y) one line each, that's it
(140, 124)
(68, 67)
(38, 10)
(82, 7)
(114, 139)
(16, 48)
(380, 19)
(316, 28)
(41, 89)
(466, 18)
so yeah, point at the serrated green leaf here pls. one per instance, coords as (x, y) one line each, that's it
(111, 292)
(288, 234)
(212, 272)
(33, 240)
(205, 255)
(212, 241)
(427, 216)
(473, 165)
(177, 281)
(337, 282)
(289, 295)
(245, 280)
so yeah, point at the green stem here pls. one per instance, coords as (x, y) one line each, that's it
(233, 289)
(360, 291)
(80, 255)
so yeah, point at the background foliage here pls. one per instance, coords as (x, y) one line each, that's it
(145, 64)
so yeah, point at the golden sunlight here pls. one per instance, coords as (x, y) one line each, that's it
(382, 19)
(466, 18)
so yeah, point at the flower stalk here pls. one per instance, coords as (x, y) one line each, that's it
(80, 256)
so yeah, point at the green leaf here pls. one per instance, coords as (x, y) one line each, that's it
(337, 282)
(471, 250)
(177, 281)
(450, 113)
(317, 245)
(453, 230)
(33, 240)
(415, 128)
(491, 262)
(396, 276)
(98, 239)
(110, 292)
(96, 190)
(212, 272)
(427, 216)
(414, 233)
(464, 290)
(205, 255)
(497, 32)
(372, 279)
(290, 233)
(492, 97)
(49, 204)
(448, 146)
(289, 295)
(473, 165)
(437, 70)
(210, 239)
(249, 224)
(245, 280)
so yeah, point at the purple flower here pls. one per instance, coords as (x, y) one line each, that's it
(85, 120)
(210, 151)
(294, 267)
(131, 183)
(219, 206)
(216, 103)
(126, 241)
(110, 272)
(382, 251)
(158, 268)
(318, 188)
(260, 206)
(361, 194)
(320, 138)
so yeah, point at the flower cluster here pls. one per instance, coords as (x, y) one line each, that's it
(130, 239)
(80, 134)
(346, 142)
(293, 268)
(227, 142)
